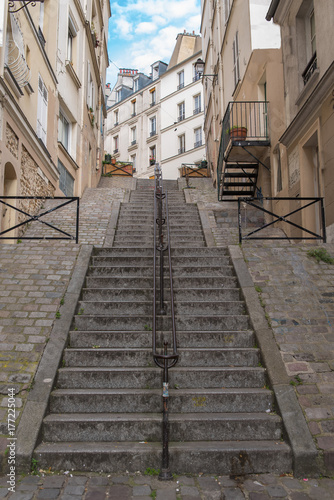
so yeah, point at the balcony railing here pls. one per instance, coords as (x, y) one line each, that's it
(197, 111)
(198, 144)
(310, 68)
(182, 117)
(252, 116)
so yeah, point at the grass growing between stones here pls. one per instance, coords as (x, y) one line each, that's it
(321, 255)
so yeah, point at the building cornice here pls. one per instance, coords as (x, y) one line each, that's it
(311, 106)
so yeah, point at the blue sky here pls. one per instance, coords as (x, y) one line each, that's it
(142, 32)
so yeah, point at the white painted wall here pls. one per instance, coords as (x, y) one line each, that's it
(264, 34)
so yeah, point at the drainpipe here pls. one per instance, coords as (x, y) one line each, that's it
(272, 9)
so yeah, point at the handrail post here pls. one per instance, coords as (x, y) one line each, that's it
(324, 237)
(165, 473)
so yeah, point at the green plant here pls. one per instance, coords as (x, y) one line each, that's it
(19, 241)
(81, 311)
(296, 381)
(62, 301)
(34, 466)
(58, 315)
(150, 471)
(147, 328)
(321, 254)
(153, 494)
(258, 289)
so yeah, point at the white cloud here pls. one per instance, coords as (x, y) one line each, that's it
(123, 26)
(145, 28)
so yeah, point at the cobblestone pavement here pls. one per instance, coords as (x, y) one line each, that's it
(296, 292)
(141, 487)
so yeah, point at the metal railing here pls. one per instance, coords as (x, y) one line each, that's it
(283, 219)
(37, 218)
(162, 359)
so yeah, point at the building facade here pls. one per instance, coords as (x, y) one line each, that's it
(304, 163)
(52, 67)
(243, 53)
(158, 118)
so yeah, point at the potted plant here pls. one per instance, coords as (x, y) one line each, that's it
(237, 133)
(152, 160)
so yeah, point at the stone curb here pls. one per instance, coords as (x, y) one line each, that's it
(305, 454)
(111, 229)
(37, 402)
(203, 213)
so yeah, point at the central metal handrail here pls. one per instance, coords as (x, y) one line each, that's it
(163, 359)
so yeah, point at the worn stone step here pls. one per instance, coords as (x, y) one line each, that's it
(178, 270)
(199, 339)
(145, 294)
(141, 261)
(146, 427)
(151, 377)
(211, 457)
(118, 357)
(204, 308)
(178, 283)
(124, 252)
(228, 400)
(137, 322)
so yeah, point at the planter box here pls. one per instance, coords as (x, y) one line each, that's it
(238, 134)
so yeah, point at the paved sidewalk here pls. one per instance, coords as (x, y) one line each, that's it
(142, 487)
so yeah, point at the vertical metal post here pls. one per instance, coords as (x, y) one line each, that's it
(77, 224)
(239, 222)
(324, 237)
(165, 473)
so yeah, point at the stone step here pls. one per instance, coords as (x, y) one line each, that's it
(137, 323)
(201, 283)
(126, 357)
(228, 400)
(212, 457)
(151, 377)
(141, 261)
(78, 427)
(178, 270)
(143, 339)
(145, 294)
(204, 308)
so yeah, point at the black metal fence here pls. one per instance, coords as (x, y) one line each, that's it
(37, 218)
(319, 214)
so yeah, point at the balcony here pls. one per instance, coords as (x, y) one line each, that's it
(310, 68)
(181, 117)
(245, 128)
(198, 144)
(182, 150)
(153, 132)
(197, 111)
(181, 86)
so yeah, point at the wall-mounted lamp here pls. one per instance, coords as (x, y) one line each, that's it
(12, 8)
(199, 68)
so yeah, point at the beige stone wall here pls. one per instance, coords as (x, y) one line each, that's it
(12, 141)
(33, 183)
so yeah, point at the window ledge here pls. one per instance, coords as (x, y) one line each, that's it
(68, 156)
(72, 73)
(12, 83)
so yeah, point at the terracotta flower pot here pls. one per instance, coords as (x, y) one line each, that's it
(238, 134)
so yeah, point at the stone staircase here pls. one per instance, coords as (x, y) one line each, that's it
(105, 411)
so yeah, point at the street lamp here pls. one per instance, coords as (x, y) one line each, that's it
(12, 8)
(199, 68)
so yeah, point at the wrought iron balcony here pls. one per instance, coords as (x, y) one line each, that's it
(245, 123)
(310, 68)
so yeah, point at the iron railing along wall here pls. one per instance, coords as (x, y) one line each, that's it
(283, 219)
(37, 218)
(163, 359)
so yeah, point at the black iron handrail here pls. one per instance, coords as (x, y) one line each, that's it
(36, 218)
(283, 218)
(163, 359)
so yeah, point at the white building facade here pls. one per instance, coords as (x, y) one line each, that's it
(159, 118)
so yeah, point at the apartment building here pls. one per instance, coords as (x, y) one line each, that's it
(182, 111)
(158, 118)
(304, 158)
(53, 58)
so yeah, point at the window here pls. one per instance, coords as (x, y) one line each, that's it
(198, 137)
(227, 5)
(116, 118)
(118, 95)
(180, 80)
(133, 134)
(312, 33)
(153, 96)
(42, 110)
(72, 33)
(133, 108)
(133, 160)
(90, 89)
(63, 131)
(153, 155)
(116, 144)
(182, 144)
(306, 40)
(236, 70)
(66, 181)
(197, 104)
(153, 126)
(136, 85)
(181, 112)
